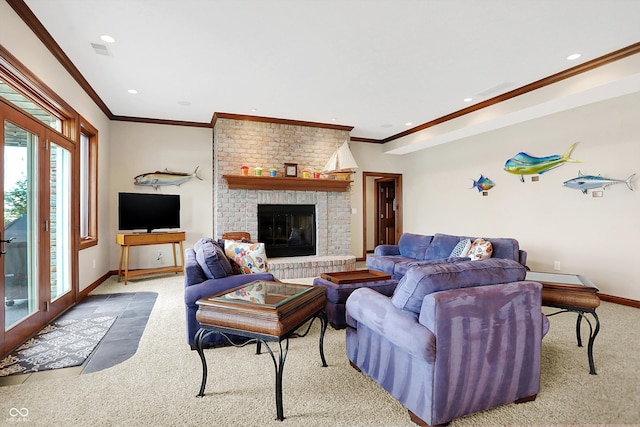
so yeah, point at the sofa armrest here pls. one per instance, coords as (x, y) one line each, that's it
(514, 304)
(522, 258)
(488, 339)
(368, 308)
(385, 250)
(213, 286)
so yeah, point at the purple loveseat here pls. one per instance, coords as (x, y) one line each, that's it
(207, 271)
(417, 249)
(455, 338)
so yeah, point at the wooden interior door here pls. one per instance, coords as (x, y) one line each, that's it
(385, 211)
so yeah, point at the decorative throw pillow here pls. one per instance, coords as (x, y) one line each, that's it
(255, 293)
(480, 249)
(461, 249)
(212, 260)
(249, 257)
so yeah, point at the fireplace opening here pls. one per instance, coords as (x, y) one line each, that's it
(287, 230)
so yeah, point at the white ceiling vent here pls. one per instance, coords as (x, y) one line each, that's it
(100, 49)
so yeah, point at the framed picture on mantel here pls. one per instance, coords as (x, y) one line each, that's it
(291, 169)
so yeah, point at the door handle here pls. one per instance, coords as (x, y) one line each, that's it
(2, 252)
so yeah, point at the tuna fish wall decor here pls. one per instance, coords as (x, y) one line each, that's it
(524, 164)
(160, 178)
(483, 183)
(589, 182)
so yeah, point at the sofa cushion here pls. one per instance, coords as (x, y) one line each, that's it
(414, 245)
(386, 264)
(441, 246)
(249, 257)
(423, 280)
(480, 249)
(401, 268)
(461, 249)
(212, 259)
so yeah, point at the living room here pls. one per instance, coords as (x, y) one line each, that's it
(562, 229)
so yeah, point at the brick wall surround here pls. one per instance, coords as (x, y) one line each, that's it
(264, 144)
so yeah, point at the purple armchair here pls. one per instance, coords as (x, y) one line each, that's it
(453, 339)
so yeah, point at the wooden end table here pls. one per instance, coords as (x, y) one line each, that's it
(571, 293)
(262, 311)
(355, 276)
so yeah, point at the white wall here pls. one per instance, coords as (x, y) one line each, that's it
(138, 148)
(595, 237)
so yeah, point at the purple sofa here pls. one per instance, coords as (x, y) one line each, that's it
(207, 271)
(416, 249)
(455, 338)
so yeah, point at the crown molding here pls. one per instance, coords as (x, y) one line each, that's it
(219, 115)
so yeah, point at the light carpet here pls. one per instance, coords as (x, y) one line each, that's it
(158, 385)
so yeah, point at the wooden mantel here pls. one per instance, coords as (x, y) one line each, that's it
(252, 182)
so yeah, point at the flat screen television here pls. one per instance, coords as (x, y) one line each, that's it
(145, 211)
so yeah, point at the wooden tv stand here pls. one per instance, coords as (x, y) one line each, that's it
(126, 240)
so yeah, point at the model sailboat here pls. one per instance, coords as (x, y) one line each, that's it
(341, 163)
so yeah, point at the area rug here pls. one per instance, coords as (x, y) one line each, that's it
(61, 344)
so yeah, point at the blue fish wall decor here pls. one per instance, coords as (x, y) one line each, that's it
(589, 182)
(524, 164)
(483, 184)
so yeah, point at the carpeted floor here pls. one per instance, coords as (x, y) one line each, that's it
(158, 384)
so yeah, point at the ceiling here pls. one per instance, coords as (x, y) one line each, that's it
(383, 67)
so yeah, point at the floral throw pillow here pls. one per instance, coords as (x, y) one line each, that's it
(254, 293)
(480, 249)
(248, 257)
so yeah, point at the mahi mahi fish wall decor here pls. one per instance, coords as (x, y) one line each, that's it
(166, 177)
(524, 164)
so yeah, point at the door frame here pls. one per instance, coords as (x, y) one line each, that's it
(397, 178)
(47, 309)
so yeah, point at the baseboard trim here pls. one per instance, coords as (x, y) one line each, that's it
(619, 300)
(86, 291)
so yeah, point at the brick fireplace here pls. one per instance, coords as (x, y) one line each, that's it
(257, 143)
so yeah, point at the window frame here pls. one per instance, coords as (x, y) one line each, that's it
(88, 130)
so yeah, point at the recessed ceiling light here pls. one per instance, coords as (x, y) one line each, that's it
(253, 110)
(132, 91)
(468, 99)
(573, 57)
(408, 124)
(107, 38)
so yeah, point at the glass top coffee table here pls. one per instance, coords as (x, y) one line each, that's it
(571, 293)
(262, 312)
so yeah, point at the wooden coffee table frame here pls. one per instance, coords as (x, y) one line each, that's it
(262, 324)
(581, 299)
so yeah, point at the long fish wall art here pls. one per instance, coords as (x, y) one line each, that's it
(525, 164)
(589, 182)
(166, 177)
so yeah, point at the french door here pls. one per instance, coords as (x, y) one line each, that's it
(36, 245)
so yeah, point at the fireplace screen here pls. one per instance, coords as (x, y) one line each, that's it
(287, 230)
